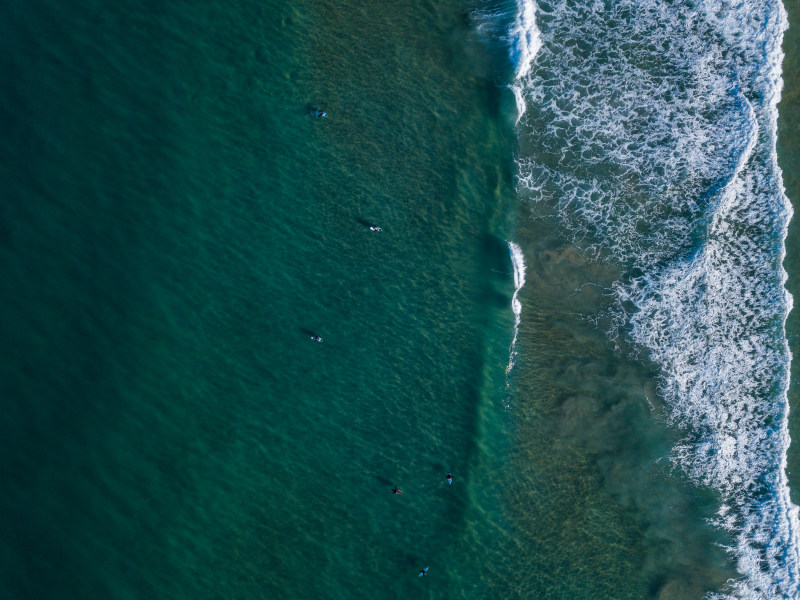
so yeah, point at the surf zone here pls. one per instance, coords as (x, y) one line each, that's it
(648, 132)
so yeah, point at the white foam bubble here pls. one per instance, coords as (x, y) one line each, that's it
(654, 126)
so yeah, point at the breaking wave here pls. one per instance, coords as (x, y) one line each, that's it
(649, 129)
(518, 261)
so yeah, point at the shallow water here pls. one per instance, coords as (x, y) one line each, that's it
(789, 156)
(649, 138)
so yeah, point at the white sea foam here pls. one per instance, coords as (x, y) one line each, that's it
(519, 97)
(518, 261)
(525, 43)
(655, 127)
(526, 40)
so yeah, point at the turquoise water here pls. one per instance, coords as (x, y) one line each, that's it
(177, 227)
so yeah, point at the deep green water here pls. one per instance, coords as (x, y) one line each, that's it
(175, 227)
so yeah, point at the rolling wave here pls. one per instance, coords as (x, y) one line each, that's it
(518, 261)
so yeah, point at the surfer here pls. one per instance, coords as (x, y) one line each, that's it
(375, 228)
(318, 113)
(316, 338)
(450, 478)
(423, 572)
(397, 491)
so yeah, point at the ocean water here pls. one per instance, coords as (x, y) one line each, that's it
(788, 155)
(176, 227)
(576, 303)
(648, 131)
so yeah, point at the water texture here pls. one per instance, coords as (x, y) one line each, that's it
(650, 133)
(590, 340)
(175, 229)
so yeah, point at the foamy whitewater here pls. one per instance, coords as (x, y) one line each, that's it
(652, 129)
(518, 261)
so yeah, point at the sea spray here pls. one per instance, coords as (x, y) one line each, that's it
(651, 130)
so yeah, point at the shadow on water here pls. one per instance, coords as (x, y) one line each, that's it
(383, 481)
(496, 263)
(364, 222)
(494, 253)
(311, 110)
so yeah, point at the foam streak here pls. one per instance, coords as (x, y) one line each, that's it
(655, 144)
(518, 260)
